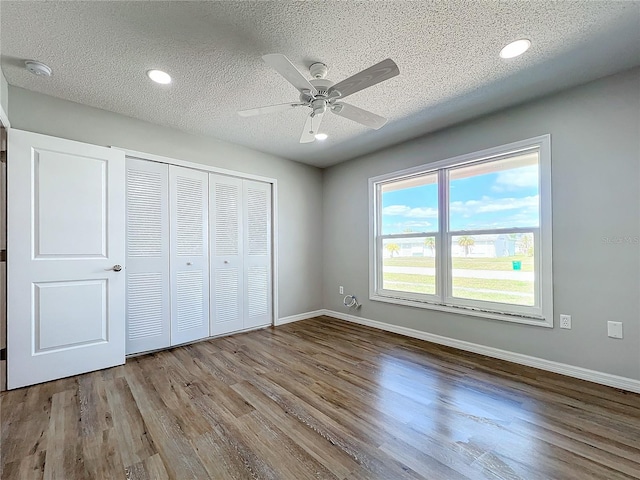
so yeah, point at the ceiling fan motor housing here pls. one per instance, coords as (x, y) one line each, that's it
(322, 86)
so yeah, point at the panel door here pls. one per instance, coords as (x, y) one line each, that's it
(257, 254)
(189, 263)
(66, 253)
(227, 276)
(148, 325)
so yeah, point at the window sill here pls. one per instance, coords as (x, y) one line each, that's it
(505, 317)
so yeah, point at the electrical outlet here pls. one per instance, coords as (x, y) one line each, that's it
(614, 329)
(565, 321)
(341, 290)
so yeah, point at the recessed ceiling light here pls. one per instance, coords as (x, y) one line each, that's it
(321, 136)
(515, 48)
(159, 76)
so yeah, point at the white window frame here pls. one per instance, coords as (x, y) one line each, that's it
(542, 313)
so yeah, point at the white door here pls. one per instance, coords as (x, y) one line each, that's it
(66, 287)
(257, 253)
(148, 307)
(189, 263)
(227, 275)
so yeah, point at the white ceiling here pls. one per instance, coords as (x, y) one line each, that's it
(447, 53)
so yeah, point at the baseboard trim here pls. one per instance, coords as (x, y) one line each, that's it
(594, 376)
(298, 317)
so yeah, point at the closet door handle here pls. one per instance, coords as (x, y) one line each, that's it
(115, 268)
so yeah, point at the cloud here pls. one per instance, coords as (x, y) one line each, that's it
(405, 211)
(395, 210)
(491, 205)
(489, 212)
(416, 224)
(514, 179)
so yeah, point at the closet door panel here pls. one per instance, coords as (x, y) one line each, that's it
(188, 192)
(147, 243)
(257, 253)
(226, 254)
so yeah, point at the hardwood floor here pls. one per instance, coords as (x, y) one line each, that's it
(319, 399)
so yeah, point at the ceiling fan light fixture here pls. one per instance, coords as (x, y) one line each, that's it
(515, 49)
(159, 76)
(321, 136)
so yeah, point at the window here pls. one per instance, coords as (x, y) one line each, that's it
(471, 234)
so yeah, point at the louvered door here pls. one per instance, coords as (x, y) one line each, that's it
(189, 263)
(148, 313)
(257, 253)
(226, 254)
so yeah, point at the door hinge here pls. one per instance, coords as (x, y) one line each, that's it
(3, 255)
(3, 354)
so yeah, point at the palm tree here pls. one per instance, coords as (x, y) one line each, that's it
(526, 244)
(430, 243)
(466, 242)
(392, 248)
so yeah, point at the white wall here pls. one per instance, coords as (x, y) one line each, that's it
(299, 186)
(595, 136)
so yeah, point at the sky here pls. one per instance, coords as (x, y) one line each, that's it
(502, 199)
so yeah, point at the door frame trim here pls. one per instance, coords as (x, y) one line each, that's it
(4, 119)
(231, 173)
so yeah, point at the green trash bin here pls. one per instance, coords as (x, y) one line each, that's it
(517, 265)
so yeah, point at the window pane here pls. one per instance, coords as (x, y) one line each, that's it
(494, 268)
(410, 205)
(409, 265)
(499, 194)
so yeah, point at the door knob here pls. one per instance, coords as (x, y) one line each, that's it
(117, 268)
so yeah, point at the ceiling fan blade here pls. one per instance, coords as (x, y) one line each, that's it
(252, 112)
(380, 72)
(311, 127)
(359, 115)
(284, 67)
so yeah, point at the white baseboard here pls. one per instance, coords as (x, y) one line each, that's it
(594, 376)
(300, 316)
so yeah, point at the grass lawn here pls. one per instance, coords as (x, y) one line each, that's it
(472, 288)
(466, 263)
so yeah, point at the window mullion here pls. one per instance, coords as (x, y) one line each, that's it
(442, 252)
(378, 228)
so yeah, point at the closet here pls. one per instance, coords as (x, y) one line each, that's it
(111, 255)
(198, 255)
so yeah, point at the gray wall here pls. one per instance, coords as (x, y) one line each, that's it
(299, 186)
(595, 136)
(4, 95)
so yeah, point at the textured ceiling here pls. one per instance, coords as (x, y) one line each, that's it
(447, 53)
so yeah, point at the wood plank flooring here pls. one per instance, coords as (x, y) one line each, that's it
(319, 399)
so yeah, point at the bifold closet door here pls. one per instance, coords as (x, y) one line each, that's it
(189, 259)
(147, 301)
(227, 275)
(257, 253)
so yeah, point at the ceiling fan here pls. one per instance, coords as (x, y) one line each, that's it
(320, 94)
